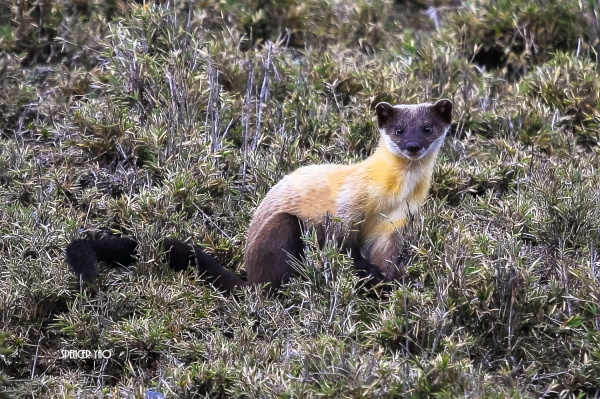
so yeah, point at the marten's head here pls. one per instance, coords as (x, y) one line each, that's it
(413, 131)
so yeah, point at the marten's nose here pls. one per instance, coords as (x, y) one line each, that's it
(413, 147)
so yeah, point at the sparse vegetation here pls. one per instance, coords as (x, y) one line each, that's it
(157, 119)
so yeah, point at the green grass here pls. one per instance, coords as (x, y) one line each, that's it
(165, 120)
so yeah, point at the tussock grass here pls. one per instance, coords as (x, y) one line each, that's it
(175, 118)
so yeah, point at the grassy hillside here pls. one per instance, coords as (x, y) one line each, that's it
(120, 117)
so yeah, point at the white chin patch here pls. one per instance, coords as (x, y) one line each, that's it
(414, 157)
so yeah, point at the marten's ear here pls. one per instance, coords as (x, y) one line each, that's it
(384, 112)
(443, 108)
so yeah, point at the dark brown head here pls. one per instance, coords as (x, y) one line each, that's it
(413, 131)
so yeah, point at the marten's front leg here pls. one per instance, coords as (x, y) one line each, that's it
(348, 242)
(384, 252)
(364, 267)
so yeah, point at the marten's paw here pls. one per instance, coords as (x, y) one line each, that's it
(371, 273)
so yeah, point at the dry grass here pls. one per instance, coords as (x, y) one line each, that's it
(176, 118)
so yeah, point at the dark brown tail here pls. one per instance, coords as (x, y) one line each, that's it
(83, 255)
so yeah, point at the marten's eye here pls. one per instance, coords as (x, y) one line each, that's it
(399, 132)
(427, 129)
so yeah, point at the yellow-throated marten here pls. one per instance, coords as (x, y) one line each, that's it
(376, 196)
